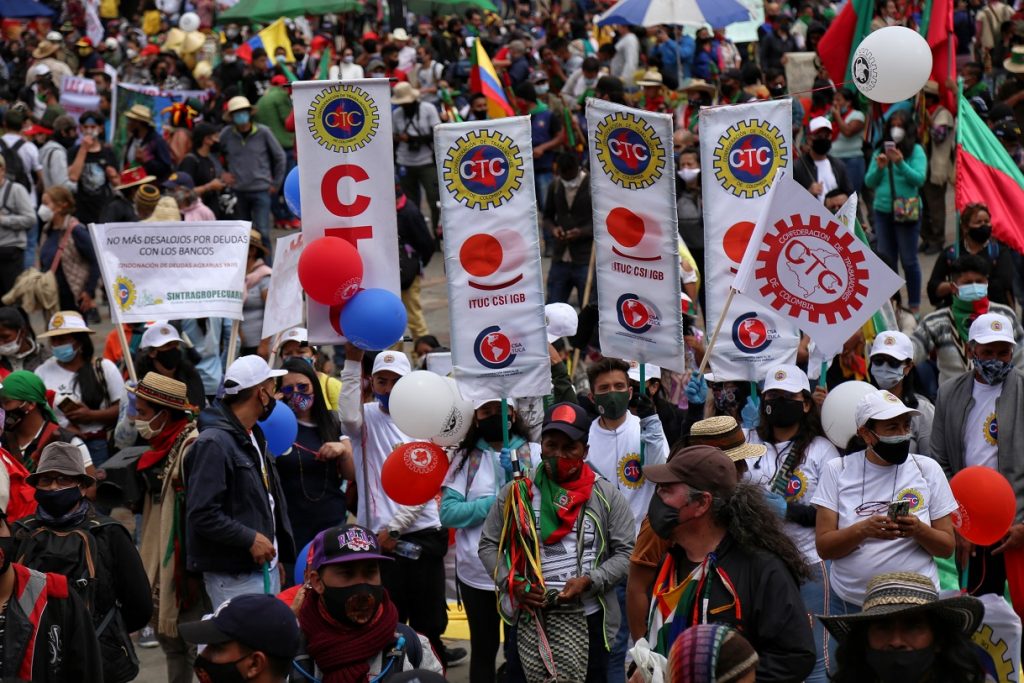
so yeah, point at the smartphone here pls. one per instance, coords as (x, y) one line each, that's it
(889, 145)
(899, 508)
(68, 404)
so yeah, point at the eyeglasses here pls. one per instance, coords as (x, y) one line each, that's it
(61, 480)
(300, 388)
(872, 508)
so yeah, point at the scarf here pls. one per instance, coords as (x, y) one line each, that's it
(161, 444)
(560, 503)
(963, 312)
(342, 652)
(71, 518)
(677, 606)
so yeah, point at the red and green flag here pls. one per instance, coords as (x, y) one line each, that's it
(985, 172)
(837, 46)
(937, 28)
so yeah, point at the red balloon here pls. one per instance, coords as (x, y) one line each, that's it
(330, 270)
(414, 472)
(987, 504)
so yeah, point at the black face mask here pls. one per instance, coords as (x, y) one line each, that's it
(14, 417)
(821, 145)
(215, 148)
(214, 672)
(980, 234)
(777, 90)
(363, 597)
(783, 412)
(663, 518)
(490, 429)
(60, 502)
(894, 452)
(268, 408)
(410, 109)
(170, 358)
(6, 552)
(896, 666)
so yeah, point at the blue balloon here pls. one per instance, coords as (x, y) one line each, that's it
(280, 429)
(291, 192)
(300, 565)
(373, 319)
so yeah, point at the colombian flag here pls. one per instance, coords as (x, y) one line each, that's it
(484, 78)
(270, 38)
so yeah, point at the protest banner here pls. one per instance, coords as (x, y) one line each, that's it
(742, 147)
(492, 258)
(801, 69)
(347, 181)
(78, 95)
(173, 271)
(636, 240)
(283, 309)
(157, 99)
(809, 267)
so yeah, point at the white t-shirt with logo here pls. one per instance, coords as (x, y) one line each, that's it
(802, 483)
(64, 384)
(981, 430)
(826, 177)
(852, 482)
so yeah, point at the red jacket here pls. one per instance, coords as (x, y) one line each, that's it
(21, 500)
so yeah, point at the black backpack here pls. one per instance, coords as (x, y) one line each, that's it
(15, 168)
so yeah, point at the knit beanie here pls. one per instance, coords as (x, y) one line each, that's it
(710, 653)
(146, 198)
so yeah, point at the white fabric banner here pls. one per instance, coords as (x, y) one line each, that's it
(632, 182)
(347, 181)
(173, 271)
(808, 266)
(78, 95)
(742, 148)
(283, 308)
(492, 259)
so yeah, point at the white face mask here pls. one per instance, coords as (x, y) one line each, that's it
(688, 175)
(145, 427)
(348, 59)
(11, 348)
(45, 213)
(543, 89)
(898, 134)
(230, 59)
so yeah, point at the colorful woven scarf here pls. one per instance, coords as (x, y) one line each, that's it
(560, 503)
(678, 605)
(964, 313)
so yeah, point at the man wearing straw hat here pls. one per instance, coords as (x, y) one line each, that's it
(145, 146)
(413, 128)
(120, 208)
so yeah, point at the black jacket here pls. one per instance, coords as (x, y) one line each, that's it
(774, 618)
(558, 213)
(413, 231)
(805, 172)
(226, 501)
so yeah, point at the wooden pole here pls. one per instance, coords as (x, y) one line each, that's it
(718, 328)
(233, 341)
(128, 362)
(586, 300)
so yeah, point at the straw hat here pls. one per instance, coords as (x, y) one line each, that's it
(722, 431)
(698, 84)
(404, 93)
(238, 103)
(65, 322)
(45, 49)
(134, 176)
(163, 391)
(256, 241)
(142, 113)
(1015, 62)
(651, 77)
(166, 211)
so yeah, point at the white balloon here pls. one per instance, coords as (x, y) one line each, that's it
(459, 420)
(189, 22)
(892, 64)
(838, 412)
(421, 404)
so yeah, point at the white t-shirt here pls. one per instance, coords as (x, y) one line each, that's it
(65, 384)
(981, 430)
(848, 483)
(826, 177)
(558, 561)
(615, 455)
(487, 481)
(270, 496)
(802, 484)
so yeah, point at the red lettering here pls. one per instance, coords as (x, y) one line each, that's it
(351, 235)
(329, 190)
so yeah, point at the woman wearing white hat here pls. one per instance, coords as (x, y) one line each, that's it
(892, 368)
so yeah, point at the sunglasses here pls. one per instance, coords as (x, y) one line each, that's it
(886, 360)
(300, 388)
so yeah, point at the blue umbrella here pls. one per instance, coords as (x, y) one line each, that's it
(674, 12)
(18, 9)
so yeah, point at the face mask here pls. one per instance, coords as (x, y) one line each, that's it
(725, 401)
(348, 59)
(170, 359)
(783, 412)
(885, 376)
(145, 427)
(980, 234)
(45, 213)
(6, 553)
(777, 90)
(897, 134)
(58, 503)
(215, 148)
(896, 666)
(65, 353)
(480, 115)
(230, 59)
(973, 291)
(13, 417)
(562, 469)
(383, 400)
(224, 672)
(663, 518)
(11, 348)
(241, 118)
(268, 408)
(542, 89)
(300, 403)
(132, 53)
(612, 404)
(362, 598)
(688, 175)
(892, 449)
(411, 109)
(993, 371)
(490, 428)
(821, 145)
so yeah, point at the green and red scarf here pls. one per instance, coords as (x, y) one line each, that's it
(964, 313)
(560, 502)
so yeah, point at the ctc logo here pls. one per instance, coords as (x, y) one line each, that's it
(752, 157)
(630, 151)
(799, 254)
(472, 169)
(493, 261)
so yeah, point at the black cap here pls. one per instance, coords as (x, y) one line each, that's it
(1007, 130)
(733, 75)
(568, 418)
(259, 622)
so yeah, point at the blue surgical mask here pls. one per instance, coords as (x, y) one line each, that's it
(886, 377)
(240, 118)
(65, 353)
(383, 400)
(973, 291)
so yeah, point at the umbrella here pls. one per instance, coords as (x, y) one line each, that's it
(428, 7)
(674, 12)
(264, 11)
(17, 9)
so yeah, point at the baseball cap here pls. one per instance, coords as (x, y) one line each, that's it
(259, 622)
(786, 378)
(991, 327)
(568, 418)
(705, 468)
(819, 122)
(538, 76)
(561, 320)
(248, 371)
(480, 404)
(651, 371)
(392, 361)
(179, 179)
(881, 405)
(895, 344)
(295, 334)
(279, 79)
(345, 543)
(158, 334)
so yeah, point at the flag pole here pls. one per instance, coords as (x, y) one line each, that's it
(714, 335)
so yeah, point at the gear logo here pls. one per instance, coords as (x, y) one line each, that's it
(994, 655)
(750, 334)
(494, 349)
(811, 270)
(990, 430)
(635, 315)
(343, 118)
(629, 151)
(796, 487)
(124, 290)
(631, 472)
(912, 496)
(483, 169)
(748, 156)
(864, 70)
(420, 460)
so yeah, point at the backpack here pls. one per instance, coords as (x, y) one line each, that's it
(15, 167)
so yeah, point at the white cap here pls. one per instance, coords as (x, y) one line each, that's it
(787, 378)
(295, 334)
(477, 405)
(399, 34)
(819, 122)
(651, 371)
(248, 371)
(881, 405)
(561, 321)
(40, 69)
(55, 37)
(392, 361)
(991, 327)
(895, 344)
(65, 322)
(158, 334)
